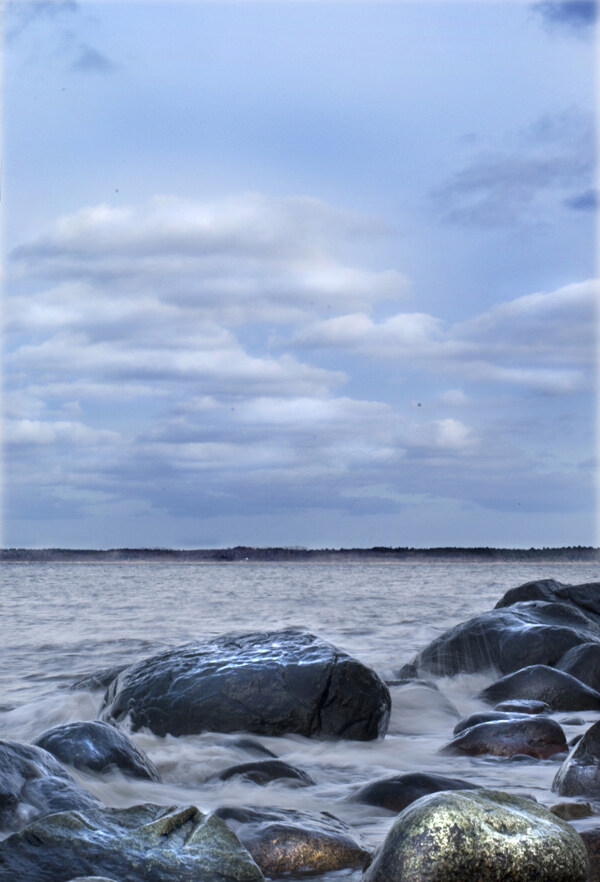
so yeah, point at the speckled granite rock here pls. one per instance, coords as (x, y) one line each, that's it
(479, 835)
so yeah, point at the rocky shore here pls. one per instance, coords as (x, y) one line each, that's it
(542, 641)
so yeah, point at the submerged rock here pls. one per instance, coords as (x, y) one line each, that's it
(571, 811)
(533, 632)
(269, 683)
(265, 771)
(591, 840)
(286, 842)
(538, 737)
(579, 775)
(486, 717)
(145, 843)
(98, 747)
(398, 791)
(560, 691)
(33, 784)
(419, 707)
(479, 835)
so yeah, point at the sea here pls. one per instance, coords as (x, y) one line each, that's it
(62, 621)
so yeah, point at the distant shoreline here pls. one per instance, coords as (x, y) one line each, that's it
(243, 554)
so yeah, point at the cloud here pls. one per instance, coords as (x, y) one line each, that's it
(575, 15)
(543, 341)
(586, 201)
(515, 185)
(20, 17)
(91, 60)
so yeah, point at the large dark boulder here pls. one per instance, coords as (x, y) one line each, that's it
(583, 662)
(269, 683)
(285, 842)
(97, 747)
(539, 737)
(579, 775)
(504, 640)
(585, 597)
(479, 835)
(145, 843)
(560, 691)
(398, 791)
(33, 784)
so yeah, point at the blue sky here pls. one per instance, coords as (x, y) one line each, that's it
(299, 273)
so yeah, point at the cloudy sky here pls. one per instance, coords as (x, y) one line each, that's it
(299, 273)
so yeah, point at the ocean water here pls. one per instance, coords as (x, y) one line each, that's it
(62, 621)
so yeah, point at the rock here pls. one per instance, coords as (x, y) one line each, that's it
(252, 746)
(269, 683)
(534, 632)
(97, 747)
(398, 791)
(286, 842)
(524, 706)
(478, 835)
(486, 717)
(582, 662)
(585, 597)
(591, 840)
(145, 843)
(98, 680)
(570, 811)
(265, 771)
(539, 737)
(33, 784)
(579, 775)
(419, 707)
(560, 691)
(91, 879)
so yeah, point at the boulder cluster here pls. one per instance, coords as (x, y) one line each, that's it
(541, 643)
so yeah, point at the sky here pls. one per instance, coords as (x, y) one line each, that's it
(316, 274)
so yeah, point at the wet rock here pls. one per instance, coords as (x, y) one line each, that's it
(486, 717)
(572, 721)
(479, 835)
(398, 791)
(560, 691)
(583, 662)
(570, 811)
(98, 680)
(539, 737)
(33, 784)
(265, 771)
(145, 843)
(524, 706)
(591, 840)
(98, 747)
(579, 775)
(91, 879)
(585, 597)
(251, 745)
(269, 683)
(288, 842)
(534, 632)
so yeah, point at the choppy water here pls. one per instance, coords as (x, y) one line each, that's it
(59, 622)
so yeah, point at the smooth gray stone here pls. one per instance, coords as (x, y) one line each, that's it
(538, 737)
(33, 784)
(478, 835)
(269, 683)
(503, 640)
(582, 662)
(585, 597)
(579, 775)
(284, 842)
(98, 747)
(265, 771)
(146, 843)
(398, 791)
(560, 691)
(524, 706)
